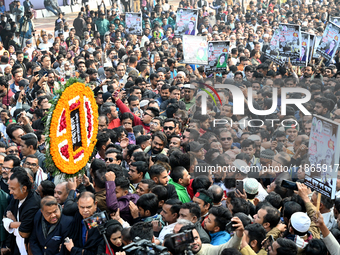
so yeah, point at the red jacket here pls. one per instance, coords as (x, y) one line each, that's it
(136, 120)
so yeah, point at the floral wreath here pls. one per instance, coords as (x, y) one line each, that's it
(71, 129)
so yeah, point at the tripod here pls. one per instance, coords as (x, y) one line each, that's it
(102, 231)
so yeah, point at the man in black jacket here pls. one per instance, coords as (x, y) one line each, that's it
(50, 228)
(21, 211)
(82, 241)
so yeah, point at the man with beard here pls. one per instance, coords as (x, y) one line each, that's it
(189, 92)
(169, 127)
(144, 70)
(189, 135)
(309, 72)
(160, 176)
(158, 143)
(164, 94)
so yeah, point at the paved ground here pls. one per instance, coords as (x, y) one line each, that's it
(48, 23)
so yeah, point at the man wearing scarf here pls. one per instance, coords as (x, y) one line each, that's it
(51, 227)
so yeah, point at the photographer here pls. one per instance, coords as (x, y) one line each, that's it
(206, 249)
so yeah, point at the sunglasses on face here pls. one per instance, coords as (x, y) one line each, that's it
(13, 151)
(109, 159)
(226, 138)
(170, 128)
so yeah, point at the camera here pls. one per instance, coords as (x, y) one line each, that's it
(97, 219)
(144, 247)
(180, 243)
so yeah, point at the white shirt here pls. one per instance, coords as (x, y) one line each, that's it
(169, 229)
(45, 46)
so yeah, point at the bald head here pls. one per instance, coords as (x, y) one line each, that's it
(61, 192)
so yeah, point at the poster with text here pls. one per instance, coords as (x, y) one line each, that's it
(195, 50)
(133, 21)
(323, 156)
(329, 42)
(303, 58)
(272, 52)
(186, 22)
(217, 56)
(289, 40)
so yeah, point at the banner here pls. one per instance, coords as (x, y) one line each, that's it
(323, 156)
(217, 56)
(133, 21)
(329, 42)
(289, 40)
(195, 50)
(272, 52)
(302, 60)
(186, 22)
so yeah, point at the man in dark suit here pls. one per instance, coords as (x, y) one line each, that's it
(21, 210)
(82, 241)
(50, 228)
(191, 30)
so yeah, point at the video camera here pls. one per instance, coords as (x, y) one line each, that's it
(180, 243)
(144, 247)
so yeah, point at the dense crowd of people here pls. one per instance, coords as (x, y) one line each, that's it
(159, 167)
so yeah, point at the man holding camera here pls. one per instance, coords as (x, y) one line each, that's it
(206, 249)
(50, 227)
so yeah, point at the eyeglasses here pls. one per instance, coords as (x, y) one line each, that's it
(30, 164)
(109, 159)
(170, 128)
(154, 123)
(226, 138)
(7, 169)
(13, 151)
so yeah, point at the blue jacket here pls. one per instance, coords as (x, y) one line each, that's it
(26, 34)
(49, 245)
(220, 237)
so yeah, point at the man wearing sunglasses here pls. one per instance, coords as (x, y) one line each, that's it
(226, 139)
(113, 156)
(156, 124)
(169, 127)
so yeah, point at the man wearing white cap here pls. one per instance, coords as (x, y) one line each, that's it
(299, 229)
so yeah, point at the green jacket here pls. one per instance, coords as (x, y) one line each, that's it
(102, 26)
(181, 192)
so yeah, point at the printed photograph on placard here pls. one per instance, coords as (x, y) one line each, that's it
(302, 59)
(195, 50)
(272, 52)
(329, 42)
(186, 22)
(316, 45)
(289, 40)
(311, 40)
(217, 56)
(323, 155)
(134, 23)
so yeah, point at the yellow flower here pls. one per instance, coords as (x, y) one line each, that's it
(59, 138)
